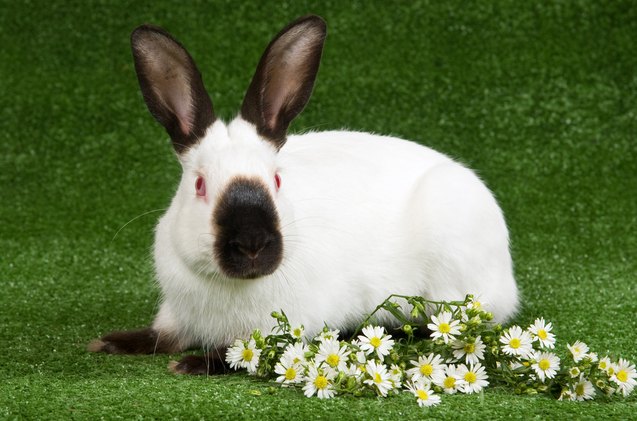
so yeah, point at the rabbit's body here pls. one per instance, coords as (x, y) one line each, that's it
(383, 216)
(323, 226)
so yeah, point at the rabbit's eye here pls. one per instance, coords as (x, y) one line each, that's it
(277, 181)
(200, 186)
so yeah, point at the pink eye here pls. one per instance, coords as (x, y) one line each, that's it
(277, 181)
(200, 186)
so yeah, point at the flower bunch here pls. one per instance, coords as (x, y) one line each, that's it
(437, 348)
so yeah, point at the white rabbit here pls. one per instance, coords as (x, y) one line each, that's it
(323, 226)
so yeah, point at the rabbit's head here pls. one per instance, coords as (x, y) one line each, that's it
(225, 217)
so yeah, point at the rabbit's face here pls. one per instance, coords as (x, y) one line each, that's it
(231, 182)
(225, 214)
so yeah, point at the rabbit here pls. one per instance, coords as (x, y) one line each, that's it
(323, 225)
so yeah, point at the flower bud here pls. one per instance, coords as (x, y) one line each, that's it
(276, 315)
(421, 308)
(256, 334)
(408, 330)
(488, 316)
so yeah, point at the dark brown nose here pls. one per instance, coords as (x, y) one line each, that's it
(249, 243)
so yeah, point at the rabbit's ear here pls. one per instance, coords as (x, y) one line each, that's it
(172, 86)
(283, 81)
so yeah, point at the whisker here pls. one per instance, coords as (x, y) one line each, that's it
(135, 218)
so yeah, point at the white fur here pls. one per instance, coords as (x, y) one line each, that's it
(362, 216)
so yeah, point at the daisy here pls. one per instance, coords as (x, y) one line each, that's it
(574, 372)
(354, 370)
(297, 332)
(443, 327)
(475, 304)
(583, 389)
(296, 353)
(606, 365)
(624, 375)
(426, 367)
(566, 395)
(541, 332)
(472, 352)
(379, 377)
(327, 334)
(319, 382)
(474, 377)
(422, 391)
(375, 340)
(517, 342)
(578, 349)
(243, 355)
(396, 376)
(546, 365)
(334, 355)
(448, 379)
(289, 372)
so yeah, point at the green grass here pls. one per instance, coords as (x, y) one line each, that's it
(539, 97)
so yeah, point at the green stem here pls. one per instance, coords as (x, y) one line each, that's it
(405, 297)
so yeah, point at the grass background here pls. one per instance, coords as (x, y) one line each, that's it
(539, 97)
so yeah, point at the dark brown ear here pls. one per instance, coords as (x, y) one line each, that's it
(171, 85)
(283, 81)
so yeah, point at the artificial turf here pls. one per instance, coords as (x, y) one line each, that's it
(539, 97)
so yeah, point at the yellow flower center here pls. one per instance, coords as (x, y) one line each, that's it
(444, 328)
(297, 332)
(426, 369)
(544, 364)
(422, 394)
(247, 355)
(470, 377)
(469, 348)
(602, 365)
(296, 360)
(477, 304)
(375, 341)
(622, 376)
(611, 371)
(449, 382)
(541, 333)
(576, 350)
(377, 378)
(579, 389)
(320, 382)
(290, 374)
(515, 343)
(333, 360)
